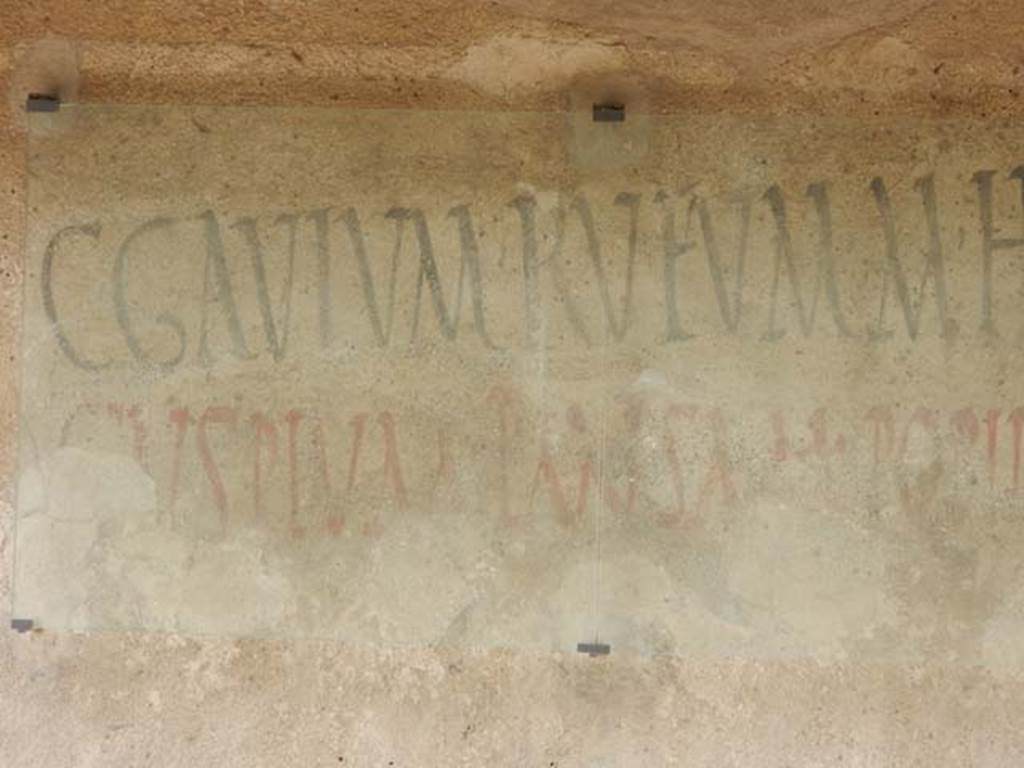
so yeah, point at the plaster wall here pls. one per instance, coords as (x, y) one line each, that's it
(807, 478)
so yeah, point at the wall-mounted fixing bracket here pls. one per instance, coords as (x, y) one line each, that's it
(594, 649)
(609, 113)
(42, 102)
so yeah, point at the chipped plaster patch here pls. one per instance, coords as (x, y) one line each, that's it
(505, 64)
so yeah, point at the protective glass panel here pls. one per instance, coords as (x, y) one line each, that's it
(689, 384)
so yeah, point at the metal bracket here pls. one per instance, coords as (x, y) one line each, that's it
(22, 625)
(42, 102)
(609, 113)
(594, 649)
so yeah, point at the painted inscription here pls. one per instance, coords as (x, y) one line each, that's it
(670, 460)
(755, 412)
(377, 279)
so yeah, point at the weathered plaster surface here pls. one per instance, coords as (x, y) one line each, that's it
(371, 549)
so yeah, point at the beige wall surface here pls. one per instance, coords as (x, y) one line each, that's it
(354, 376)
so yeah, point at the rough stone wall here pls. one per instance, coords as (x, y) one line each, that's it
(115, 698)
